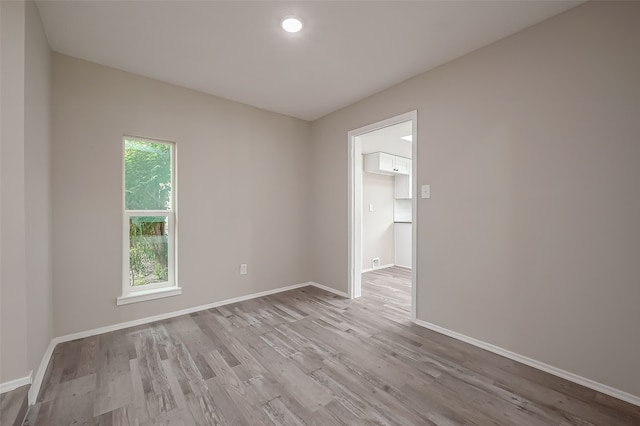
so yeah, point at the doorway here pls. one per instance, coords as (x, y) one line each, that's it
(387, 163)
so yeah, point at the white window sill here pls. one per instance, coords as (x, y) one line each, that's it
(144, 295)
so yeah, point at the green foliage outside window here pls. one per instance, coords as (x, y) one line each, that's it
(147, 175)
(147, 187)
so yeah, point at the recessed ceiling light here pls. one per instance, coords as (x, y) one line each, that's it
(407, 138)
(291, 24)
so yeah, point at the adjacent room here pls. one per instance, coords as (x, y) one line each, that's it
(384, 186)
(319, 212)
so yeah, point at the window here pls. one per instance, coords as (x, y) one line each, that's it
(149, 221)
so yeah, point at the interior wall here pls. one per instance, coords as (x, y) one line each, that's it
(13, 329)
(37, 165)
(243, 193)
(530, 239)
(377, 225)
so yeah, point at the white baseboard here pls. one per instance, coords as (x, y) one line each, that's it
(37, 382)
(34, 390)
(127, 324)
(330, 289)
(39, 376)
(591, 384)
(15, 384)
(389, 265)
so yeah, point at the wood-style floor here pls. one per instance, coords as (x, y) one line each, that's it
(306, 357)
(13, 406)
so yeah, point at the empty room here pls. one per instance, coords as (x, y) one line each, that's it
(319, 212)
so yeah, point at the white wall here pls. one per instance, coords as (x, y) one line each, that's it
(377, 226)
(244, 193)
(530, 240)
(403, 246)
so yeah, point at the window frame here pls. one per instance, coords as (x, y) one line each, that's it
(133, 294)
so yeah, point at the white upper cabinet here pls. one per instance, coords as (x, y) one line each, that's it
(402, 165)
(386, 164)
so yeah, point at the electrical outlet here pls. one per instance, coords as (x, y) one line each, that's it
(243, 269)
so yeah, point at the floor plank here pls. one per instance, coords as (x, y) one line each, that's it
(13, 406)
(306, 357)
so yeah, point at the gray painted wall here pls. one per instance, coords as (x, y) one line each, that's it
(37, 163)
(26, 285)
(530, 240)
(13, 363)
(243, 188)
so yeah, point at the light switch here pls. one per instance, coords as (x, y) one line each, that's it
(370, 207)
(243, 269)
(426, 191)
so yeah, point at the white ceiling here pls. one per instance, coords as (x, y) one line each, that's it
(347, 50)
(388, 139)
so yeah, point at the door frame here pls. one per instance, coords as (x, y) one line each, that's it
(355, 203)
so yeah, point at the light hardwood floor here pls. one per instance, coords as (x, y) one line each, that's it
(306, 357)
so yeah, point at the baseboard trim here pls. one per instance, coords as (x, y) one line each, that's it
(42, 368)
(141, 321)
(39, 377)
(591, 384)
(15, 384)
(329, 289)
(388, 265)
